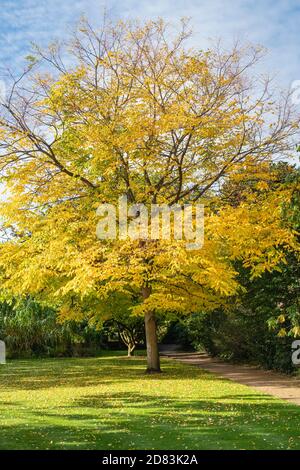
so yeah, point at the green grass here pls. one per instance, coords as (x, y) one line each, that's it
(109, 403)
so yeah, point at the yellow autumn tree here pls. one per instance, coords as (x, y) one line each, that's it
(132, 111)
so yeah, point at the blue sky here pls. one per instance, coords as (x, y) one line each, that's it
(274, 24)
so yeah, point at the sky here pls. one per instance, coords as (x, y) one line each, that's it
(274, 24)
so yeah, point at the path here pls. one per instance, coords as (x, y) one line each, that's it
(271, 383)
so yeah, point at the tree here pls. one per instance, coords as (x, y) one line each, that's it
(136, 114)
(130, 330)
(258, 325)
(116, 316)
(29, 328)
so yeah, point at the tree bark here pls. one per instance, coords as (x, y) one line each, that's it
(130, 350)
(153, 361)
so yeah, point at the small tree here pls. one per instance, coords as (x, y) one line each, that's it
(116, 313)
(130, 331)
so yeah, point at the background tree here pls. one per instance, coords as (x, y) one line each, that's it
(31, 329)
(137, 113)
(115, 315)
(259, 325)
(130, 330)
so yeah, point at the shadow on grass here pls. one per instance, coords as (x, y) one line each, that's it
(141, 421)
(48, 373)
(198, 414)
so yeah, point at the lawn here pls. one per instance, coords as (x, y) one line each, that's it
(109, 403)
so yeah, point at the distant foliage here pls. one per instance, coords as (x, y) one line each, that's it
(260, 324)
(29, 329)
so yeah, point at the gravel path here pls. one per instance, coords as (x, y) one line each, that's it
(271, 383)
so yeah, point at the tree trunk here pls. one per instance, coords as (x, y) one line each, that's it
(153, 363)
(130, 350)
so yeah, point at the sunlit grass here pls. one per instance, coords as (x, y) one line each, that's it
(109, 403)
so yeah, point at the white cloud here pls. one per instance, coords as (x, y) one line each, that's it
(273, 24)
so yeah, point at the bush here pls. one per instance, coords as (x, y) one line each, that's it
(241, 337)
(31, 330)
